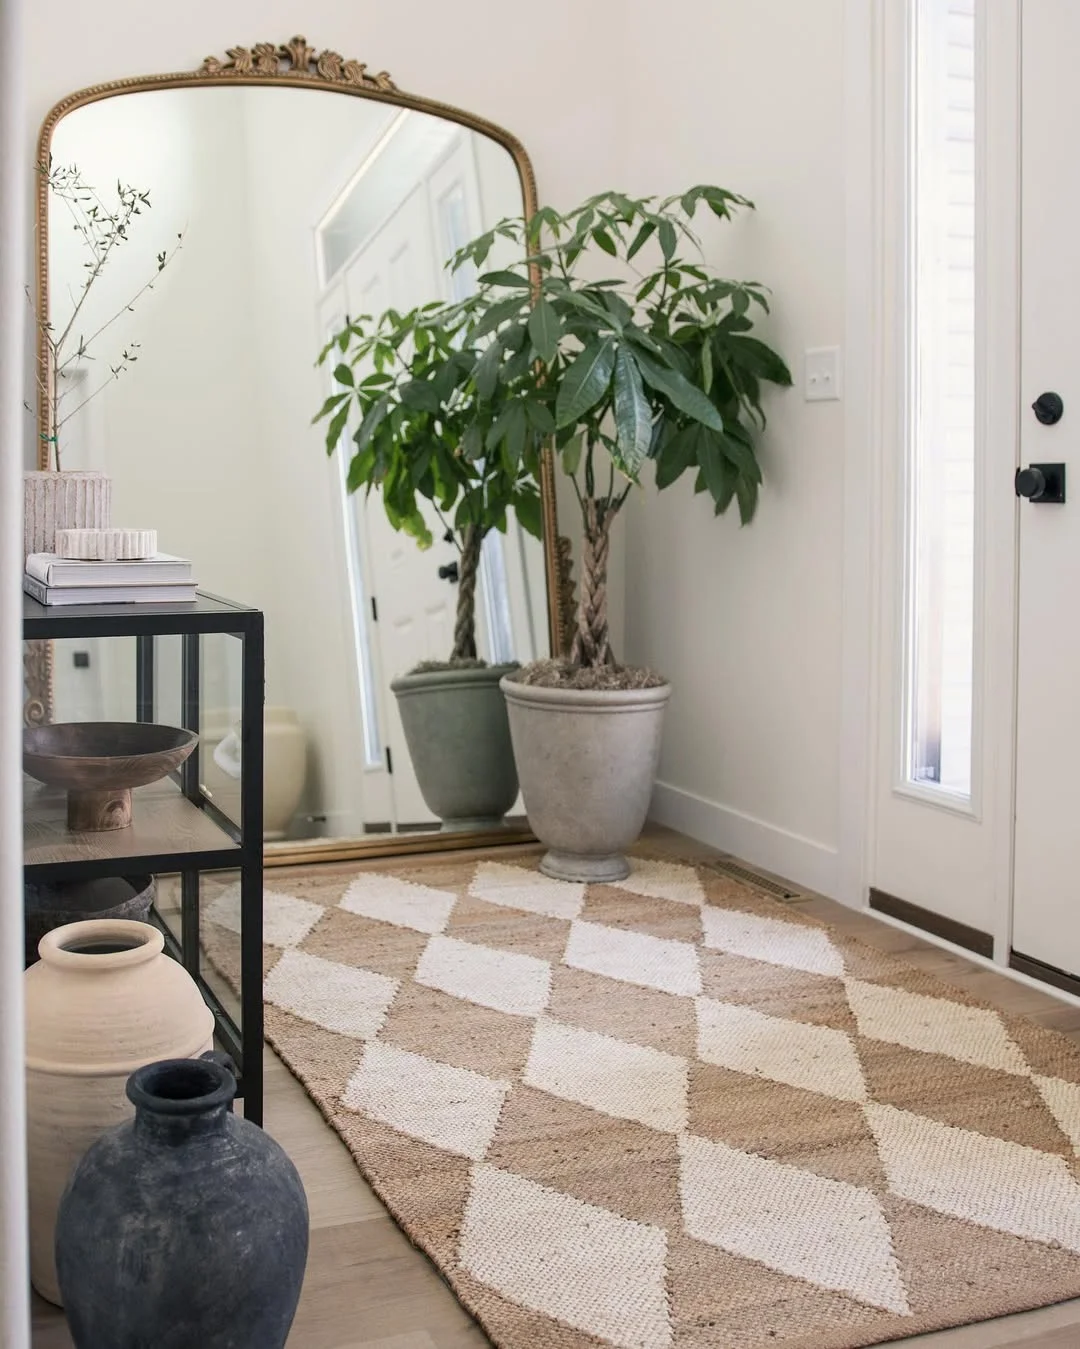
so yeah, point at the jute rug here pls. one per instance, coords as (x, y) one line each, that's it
(672, 1113)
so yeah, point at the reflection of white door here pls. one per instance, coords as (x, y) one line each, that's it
(415, 606)
(1046, 900)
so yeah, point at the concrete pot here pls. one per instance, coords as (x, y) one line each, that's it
(587, 761)
(459, 742)
(102, 1001)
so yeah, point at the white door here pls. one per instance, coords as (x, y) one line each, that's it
(415, 605)
(1046, 901)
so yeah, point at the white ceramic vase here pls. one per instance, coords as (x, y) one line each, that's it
(284, 768)
(52, 501)
(102, 1001)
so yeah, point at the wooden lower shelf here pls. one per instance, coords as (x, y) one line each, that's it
(164, 822)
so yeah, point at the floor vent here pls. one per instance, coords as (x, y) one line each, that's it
(777, 889)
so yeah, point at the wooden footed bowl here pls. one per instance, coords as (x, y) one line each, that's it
(99, 762)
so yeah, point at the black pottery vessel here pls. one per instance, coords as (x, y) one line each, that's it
(186, 1228)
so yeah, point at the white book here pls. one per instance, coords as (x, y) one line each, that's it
(161, 569)
(131, 594)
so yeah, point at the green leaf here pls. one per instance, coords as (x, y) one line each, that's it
(706, 366)
(721, 477)
(586, 382)
(641, 239)
(506, 279)
(337, 425)
(675, 456)
(539, 415)
(419, 395)
(373, 418)
(344, 375)
(331, 403)
(681, 392)
(633, 415)
(742, 456)
(545, 329)
(472, 442)
(605, 241)
(496, 314)
(571, 454)
(747, 494)
(668, 239)
(759, 358)
(486, 373)
(529, 512)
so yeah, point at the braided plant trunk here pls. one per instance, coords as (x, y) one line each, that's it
(465, 624)
(592, 645)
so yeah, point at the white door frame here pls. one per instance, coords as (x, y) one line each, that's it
(875, 387)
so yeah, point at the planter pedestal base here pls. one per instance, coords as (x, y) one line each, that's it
(473, 825)
(568, 866)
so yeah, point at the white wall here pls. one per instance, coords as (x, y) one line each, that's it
(747, 622)
(747, 93)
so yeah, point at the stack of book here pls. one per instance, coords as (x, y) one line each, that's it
(159, 579)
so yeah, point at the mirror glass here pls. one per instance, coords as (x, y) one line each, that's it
(276, 213)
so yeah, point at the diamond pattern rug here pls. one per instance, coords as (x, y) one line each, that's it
(670, 1113)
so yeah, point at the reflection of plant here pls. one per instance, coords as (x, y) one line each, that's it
(656, 364)
(431, 428)
(101, 230)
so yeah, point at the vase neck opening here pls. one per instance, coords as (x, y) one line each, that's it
(177, 1098)
(98, 945)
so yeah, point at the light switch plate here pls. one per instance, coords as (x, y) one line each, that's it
(822, 374)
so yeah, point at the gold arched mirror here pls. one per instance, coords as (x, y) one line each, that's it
(231, 219)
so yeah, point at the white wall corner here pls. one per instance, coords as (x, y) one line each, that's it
(862, 443)
(805, 862)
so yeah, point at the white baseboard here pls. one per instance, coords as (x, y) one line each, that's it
(790, 856)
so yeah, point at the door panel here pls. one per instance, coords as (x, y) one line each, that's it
(1046, 902)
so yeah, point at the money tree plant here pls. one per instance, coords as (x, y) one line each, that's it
(652, 362)
(412, 397)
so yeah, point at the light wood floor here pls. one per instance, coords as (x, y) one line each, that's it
(368, 1288)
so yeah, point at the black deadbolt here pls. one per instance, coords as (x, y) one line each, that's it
(1044, 483)
(450, 573)
(1048, 408)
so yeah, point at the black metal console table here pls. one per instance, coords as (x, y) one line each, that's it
(178, 829)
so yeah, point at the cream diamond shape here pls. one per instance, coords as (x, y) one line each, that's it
(816, 1058)
(934, 1025)
(503, 980)
(1063, 1101)
(557, 1255)
(628, 1081)
(663, 880)
(827, 1232)
(772, 940)
(984, 1180)
(451, 1108)
(388, 899)
(516, 888)
(286, 919)
(337, 997)
(635, 958)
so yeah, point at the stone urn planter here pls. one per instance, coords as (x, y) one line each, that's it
(186, 1226)
(57, 904)
(459, 741)
(52, 501)
(102, 1001)
(587, 761)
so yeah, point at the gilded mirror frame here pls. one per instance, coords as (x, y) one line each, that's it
(298, 64)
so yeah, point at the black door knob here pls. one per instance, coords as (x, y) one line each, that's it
(450, 573)
(1044, 483)
(1030, 483)
(1048, 408)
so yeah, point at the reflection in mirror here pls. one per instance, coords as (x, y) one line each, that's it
(294, 209)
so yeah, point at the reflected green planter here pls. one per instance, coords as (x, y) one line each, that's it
(458, 734)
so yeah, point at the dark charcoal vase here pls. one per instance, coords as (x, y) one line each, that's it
(186, 1227)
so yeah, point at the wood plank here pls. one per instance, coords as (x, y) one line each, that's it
(164, 822)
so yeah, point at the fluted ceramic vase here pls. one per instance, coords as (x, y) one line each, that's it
(52, 501)
(102, 1001)
(187, 1227)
